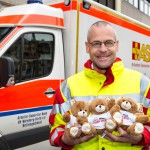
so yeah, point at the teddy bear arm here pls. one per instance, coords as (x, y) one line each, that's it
(81, 120)
(114, 109)
(142, 119)
(66, 117)
(124, 127)
(93, 130)
(111, 103)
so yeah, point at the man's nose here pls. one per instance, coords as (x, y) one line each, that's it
(102, 47)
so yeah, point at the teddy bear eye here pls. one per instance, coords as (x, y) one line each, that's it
(80, 109)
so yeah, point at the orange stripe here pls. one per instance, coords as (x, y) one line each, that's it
(27, 95)
(32, 19)
(8, 37)
(72, 6)
(106, 15)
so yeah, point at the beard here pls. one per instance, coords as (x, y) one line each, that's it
(101, 68)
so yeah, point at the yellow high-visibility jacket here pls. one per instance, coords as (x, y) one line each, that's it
(90, 84)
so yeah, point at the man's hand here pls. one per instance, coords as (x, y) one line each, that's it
(66, 139)
(123, 137)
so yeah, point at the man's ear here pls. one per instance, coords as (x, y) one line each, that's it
(87, 47)
(117, 45)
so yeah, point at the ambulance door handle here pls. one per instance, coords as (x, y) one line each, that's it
(52, 92)
(49, 92)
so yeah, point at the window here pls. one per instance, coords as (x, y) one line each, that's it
(33, 55)
(4, 31)
(142, 5)
(108, 3)
(136, 4)
(146, 8)
(131, 2)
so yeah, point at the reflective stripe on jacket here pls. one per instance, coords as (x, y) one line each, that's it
(88, 85)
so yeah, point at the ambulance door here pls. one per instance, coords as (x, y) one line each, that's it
(39, 69)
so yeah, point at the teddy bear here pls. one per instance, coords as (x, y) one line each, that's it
(132, 123)
(105, 115)
(77, 122)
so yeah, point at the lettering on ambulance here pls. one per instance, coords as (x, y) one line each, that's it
(31, 119)
(140, 52)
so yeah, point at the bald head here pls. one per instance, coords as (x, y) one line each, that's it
(100, 24)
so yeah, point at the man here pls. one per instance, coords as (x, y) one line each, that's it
(103, 76)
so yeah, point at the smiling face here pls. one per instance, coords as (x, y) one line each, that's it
(80, 108)
(98, 106)
(128, 104)
(102, 57)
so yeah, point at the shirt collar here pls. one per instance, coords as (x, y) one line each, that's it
(108, 76)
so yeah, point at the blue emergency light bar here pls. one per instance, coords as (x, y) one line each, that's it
(34, 1)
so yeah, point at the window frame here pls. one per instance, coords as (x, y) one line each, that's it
(22, 50)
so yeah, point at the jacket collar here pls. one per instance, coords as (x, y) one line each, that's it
(109, 76)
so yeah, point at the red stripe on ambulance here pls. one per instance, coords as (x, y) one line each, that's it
(21, 100)
(32, 19)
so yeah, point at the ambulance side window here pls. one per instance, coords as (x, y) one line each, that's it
(33, 55)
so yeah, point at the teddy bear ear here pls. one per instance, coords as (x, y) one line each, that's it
(120, 97)
(72, 101)
(107, 98)
(90, 101)
(140, 108)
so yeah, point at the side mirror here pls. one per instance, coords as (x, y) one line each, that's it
(7, 71)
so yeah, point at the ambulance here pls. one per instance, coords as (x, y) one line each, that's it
(40, 46)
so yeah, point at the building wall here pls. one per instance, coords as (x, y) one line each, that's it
(3, 5)
(130, 10)
(13, 2)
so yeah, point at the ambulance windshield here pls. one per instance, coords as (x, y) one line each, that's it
(4, 31)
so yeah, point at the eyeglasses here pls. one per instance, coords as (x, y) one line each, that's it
(97, 44)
